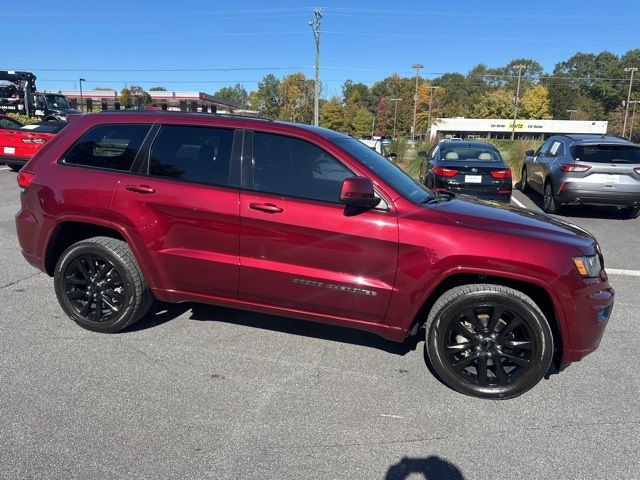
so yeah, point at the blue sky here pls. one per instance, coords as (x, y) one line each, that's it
(205, 45)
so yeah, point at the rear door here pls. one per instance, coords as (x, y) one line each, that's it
(300, 248)
(612, 167)
(182, 209)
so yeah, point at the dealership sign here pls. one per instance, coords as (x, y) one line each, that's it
(479, 125)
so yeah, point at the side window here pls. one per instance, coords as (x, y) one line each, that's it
(543, 148)
(111, 146)
(434, 152)
(556, 149)
(296, 168)
(193, 154)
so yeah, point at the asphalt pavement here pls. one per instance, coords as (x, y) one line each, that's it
(195, 391)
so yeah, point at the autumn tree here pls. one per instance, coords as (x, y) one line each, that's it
(332, 115)
(296, 93)
(497, 104)
(535, 103)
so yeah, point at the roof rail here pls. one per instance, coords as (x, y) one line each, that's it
(173, 112)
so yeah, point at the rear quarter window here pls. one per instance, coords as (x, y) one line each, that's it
(112, 147)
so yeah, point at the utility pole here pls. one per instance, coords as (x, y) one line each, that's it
(81, 107)
(395, 114)
(633, 118)
(315, 26)
(373, 126)
(626, 109)
(571, 112)
(431, 90)
(515, 103)
(417, 66)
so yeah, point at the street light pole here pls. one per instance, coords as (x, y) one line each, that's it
(395, 114)
(315, 26)
(571, 112)
(515, 103)
(626, 109)
(431, 90)
(417, 66)
(81, 103)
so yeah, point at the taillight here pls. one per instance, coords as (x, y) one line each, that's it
(574, 168)
(501, 173)
(25, 178)
(444, 172)
(637, 169)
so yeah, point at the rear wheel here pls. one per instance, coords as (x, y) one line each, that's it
(549, 202)
(488, 341)
(524, 185)
(633, 212)
(100, 286)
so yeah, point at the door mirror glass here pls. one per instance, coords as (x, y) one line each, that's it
(422, 153)
(358, 192)
(529, 153)
(392, 156)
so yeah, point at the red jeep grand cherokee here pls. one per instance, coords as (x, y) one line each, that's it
(124, 208)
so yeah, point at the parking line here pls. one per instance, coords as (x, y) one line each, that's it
(620, 271)
(5, 168)
(517, 202)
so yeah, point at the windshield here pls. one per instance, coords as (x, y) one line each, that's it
(58, 101)
(471, 153)
(402, 183)
(604, 153)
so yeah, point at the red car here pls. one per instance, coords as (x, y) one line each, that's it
(124, 208)
(18, 145)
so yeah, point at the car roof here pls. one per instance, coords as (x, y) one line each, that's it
(594, 138)
(457, 143)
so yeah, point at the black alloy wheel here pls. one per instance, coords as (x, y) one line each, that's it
(488, 341)
(100, 286)
(94, 288)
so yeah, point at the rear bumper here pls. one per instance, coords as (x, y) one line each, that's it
(501, 194)
(17, 161)
(598, 197)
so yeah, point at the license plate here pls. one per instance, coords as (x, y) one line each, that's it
(612, 178)
(10, 150)
(473, 178)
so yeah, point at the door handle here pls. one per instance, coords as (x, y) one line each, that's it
(141, 188)
(265, 207)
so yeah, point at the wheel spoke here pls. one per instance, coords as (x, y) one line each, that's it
(521, 344)
(83, 270)
(76, 281)
(472, 318)
(523, 362)
(462, 364)
(101, 272)
(115, 295)
(108, 303)
(513, 324)
(99, 308)
(498, 369)
(457, 347)
(76, 294)
(495, 317)
(461, 329)
(92, 266)
(482, 371)
(85, 308)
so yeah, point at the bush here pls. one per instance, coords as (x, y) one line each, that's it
(513, 153)
(24, 119)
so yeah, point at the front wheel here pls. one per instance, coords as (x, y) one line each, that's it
(100, 286)
(488, 341)
(633, 212)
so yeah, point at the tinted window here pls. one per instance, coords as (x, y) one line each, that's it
(46, 127)
(471, 153)
(194, 154)
(297, 168)
(604, 153)
(108, 146)
(543, 148)
(393, 175)
(9, 123)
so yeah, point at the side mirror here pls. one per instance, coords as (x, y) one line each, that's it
(392, 156)
(529, 153)
(422, 153)
(358, 192)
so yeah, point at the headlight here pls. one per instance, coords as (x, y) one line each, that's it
(588, 266)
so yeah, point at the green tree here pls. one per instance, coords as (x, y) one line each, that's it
(361, 122)
(497, 104)
(157, 89)
(332, 115)
(535, 103)
(236, 95)
(139, 97)
(267, 98)
(125, 98)
(349, 88)
(296, 93)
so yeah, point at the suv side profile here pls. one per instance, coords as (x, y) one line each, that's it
(584, 170)
(123, 208)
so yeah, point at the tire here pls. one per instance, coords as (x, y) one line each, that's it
(471, 326)
(524, 185)
(100, 286)
(549, 202)
(633, 212)
(15, 168)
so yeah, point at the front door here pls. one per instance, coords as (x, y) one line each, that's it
(299, 247)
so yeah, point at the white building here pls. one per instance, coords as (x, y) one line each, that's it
(469, 128)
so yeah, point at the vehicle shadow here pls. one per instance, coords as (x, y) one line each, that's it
(163, 312)
(578, 211)
(430, 468)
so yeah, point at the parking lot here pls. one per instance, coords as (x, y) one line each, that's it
(195, 391)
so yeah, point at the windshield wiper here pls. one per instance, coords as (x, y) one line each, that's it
(439, 197)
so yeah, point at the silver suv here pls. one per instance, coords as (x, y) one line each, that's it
(584, 169)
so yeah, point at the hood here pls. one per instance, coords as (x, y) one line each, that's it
(498, 217)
